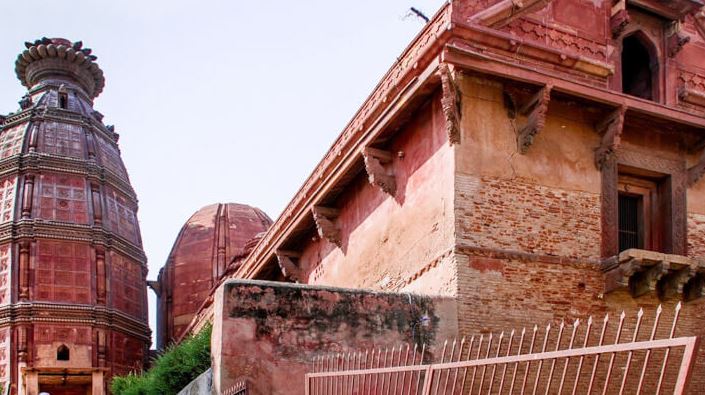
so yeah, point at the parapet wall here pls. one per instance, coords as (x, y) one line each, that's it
(268, 333)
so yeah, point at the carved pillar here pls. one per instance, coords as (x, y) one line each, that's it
(100, 274)
(606, 161)
(98, 384)
(102, 348)
(97, 204)
(27, 196)
(33, 138)
(90, 144)
(31, 382)
(22, 343)
(24, 247)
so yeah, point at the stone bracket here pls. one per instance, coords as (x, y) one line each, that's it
(377, 172)
(611, 130)
(535, 110)
(325, 223)
(619, 19)
(669, 275)
(289, 265)
(450, 103)
(505, 11)
(676, 39)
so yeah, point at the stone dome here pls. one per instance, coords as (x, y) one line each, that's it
(206, 244)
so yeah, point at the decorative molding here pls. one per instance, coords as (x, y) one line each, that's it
(325, 223)
(289, 269)
(535, 110)
(611, 130)
(691, 96)
(451, 104)
(620, 19)
(100, 274)
(378, 174)
(559, 38)
(505, 11)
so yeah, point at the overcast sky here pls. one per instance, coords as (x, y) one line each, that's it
(219, 101)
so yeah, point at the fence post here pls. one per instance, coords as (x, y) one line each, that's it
(428, 380)
(307, 385)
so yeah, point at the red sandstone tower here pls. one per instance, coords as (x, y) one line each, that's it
(72, 268)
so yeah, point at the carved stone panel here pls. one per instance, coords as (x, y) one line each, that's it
(63, 272)
(62, 198)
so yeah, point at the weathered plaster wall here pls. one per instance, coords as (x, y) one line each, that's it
(268, 333)
(546, 201)
(387, 241)
(528, 226)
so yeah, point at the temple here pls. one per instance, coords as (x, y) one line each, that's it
(531, 161)
(72, 269)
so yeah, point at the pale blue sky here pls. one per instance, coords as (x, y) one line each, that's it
(219, 101)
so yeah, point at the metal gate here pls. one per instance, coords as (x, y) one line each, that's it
(618, 358)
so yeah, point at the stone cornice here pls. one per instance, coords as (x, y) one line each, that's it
(42, 229)
(38, 162)
(42, 312)
(60, 115)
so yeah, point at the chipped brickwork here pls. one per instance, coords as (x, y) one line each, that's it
(514, 214)
(696, 235)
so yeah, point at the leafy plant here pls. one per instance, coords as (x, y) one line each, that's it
(171, 371)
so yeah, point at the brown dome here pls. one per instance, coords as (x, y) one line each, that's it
(207, 243)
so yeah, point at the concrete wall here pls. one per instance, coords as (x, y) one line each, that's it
(268, 333)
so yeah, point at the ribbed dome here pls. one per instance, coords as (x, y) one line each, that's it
(207, 243)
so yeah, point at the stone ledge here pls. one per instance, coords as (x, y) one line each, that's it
(668, 275)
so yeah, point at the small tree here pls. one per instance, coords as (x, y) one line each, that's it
(172, 371)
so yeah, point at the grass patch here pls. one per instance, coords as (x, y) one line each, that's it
(171, 371)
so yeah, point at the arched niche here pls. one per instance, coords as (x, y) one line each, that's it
(640, 66)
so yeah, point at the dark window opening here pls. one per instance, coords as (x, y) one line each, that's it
(631, 233)
(63, 100)
(62, 353)
(639, 68)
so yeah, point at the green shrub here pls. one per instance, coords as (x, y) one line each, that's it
(171, 371)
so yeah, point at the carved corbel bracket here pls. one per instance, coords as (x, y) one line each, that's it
(377, 173)
(325, 223)
(535, 110)
(646, 279)
(450, 103)
(289, 265)
(673, 283)
(611, 131)
(676, 39)
(694, 288)
(620, 18)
